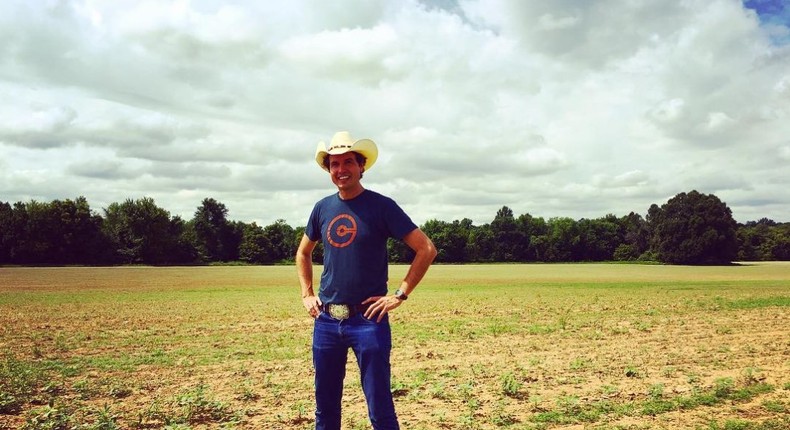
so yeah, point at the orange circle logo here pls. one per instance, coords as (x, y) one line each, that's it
(344, 233)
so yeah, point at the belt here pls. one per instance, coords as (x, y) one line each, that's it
(341, 312)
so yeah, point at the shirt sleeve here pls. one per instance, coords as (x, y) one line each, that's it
(398, 222)
(313, 228)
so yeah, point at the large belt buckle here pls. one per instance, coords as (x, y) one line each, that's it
(339, 312)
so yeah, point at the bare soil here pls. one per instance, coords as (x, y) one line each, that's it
(524, 350)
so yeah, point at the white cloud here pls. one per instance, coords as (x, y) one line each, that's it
(550, 22)
(668, 111)
(634, 178)
(559, 108)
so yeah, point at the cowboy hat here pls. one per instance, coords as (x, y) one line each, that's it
(342, 143)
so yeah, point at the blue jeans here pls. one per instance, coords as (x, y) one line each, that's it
(371, 343)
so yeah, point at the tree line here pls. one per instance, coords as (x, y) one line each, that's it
(690, 228)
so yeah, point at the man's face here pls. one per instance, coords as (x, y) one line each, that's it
(345, 171)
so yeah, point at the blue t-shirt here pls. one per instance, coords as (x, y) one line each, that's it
(354, 233)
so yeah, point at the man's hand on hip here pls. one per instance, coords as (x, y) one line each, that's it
(381, 305)
(313, 305)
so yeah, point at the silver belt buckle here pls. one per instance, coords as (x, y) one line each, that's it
(338, 312)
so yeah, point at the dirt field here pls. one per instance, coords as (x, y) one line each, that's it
(477, 347)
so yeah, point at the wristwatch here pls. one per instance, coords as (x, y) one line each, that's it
(400, 294)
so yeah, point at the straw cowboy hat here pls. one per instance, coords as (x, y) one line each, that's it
(342, 143)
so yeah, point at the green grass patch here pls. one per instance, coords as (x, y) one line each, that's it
(755, 303)
(20, 382)
(779, 423)
(197, 405)
(570, 410)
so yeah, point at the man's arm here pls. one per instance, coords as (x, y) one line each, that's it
(425, 252)
(304, 269)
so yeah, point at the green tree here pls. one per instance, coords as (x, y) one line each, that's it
(564, 240)
(215, 235)
(754, 240)
(599, 238)
(781, 242)
(510, 243)
(763, 240)
(58, 232)
(282, 236)
(482, 245)
(34, 230)
(635, 238)
(7, 232)
(142, 232)
(532, 230)
(78, 239)
(450, 239)
(254, 245)
(693, 228)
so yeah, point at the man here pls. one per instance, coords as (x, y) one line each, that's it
(352, 307)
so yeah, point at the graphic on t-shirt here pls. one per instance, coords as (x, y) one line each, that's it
(341, 231)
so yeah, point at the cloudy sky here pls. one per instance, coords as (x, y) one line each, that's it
(564, 108)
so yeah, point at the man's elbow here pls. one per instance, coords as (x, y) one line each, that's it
(430, 252)
(302, 255)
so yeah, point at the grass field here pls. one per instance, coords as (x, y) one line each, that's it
(598, 346)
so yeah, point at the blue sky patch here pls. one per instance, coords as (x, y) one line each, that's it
(774, 14)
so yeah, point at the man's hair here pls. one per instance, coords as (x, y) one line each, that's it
(360, 159)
